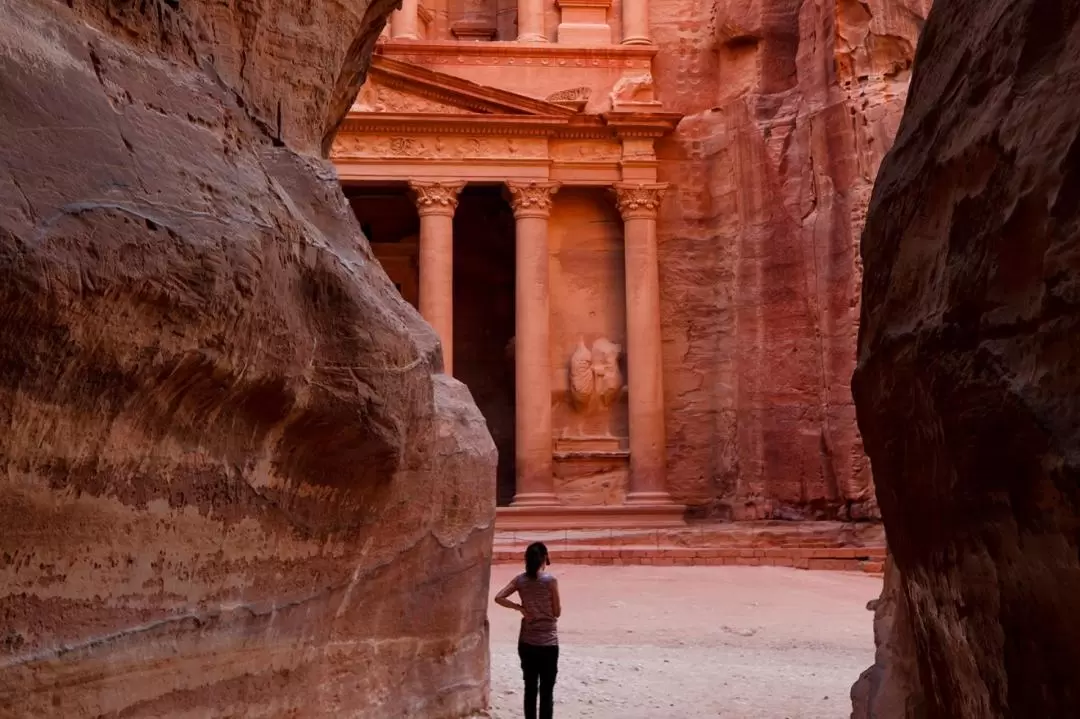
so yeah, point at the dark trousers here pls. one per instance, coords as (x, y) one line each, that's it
(539, 664)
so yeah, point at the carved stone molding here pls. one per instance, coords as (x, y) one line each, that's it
(442, 147)
(436, 198)
(532, 199)
(639, 200)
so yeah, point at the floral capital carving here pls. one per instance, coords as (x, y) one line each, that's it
(639, 200)
(436, 198)
(532, 199)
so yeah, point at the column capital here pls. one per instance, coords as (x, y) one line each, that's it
(639, 200)
(436, 198)
(532, 199)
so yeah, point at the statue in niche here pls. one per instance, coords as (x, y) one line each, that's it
(596, 381)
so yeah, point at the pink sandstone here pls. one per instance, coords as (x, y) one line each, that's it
(789, 107)
(216, 414)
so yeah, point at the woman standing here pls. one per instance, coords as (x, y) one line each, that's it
(538, 642)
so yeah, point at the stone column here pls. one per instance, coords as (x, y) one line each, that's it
(635, 22)
(638, 204)
(532, 355)
(404, 23)
(435, 203)
(530, 18)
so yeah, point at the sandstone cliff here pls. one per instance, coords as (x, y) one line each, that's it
(231, 483)
(790, 106)
(967, 387)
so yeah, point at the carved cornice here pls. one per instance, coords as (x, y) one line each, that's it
(639, 200)
(520, 54)
(532, 199)
(436, 198)
(651, 123)
(579, 126)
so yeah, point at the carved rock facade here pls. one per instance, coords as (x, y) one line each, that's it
(967, 387)
(216, 413)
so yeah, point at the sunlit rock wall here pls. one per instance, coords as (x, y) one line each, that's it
(231, 481)
(790, 106)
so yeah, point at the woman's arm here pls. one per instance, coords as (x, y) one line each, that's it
(556, 603)
(502, 598)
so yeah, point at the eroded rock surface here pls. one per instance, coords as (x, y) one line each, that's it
(231, 483)
(890, 689)
(790, 106)
(967, 387)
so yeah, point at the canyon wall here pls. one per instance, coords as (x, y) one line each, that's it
(232, 479)
(968, 377)
(789, 107)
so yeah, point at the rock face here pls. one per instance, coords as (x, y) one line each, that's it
(790, 106)
(890, 689)
(231, 481)
(967, 387)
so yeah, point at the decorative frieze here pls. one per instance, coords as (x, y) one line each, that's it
(546, 55)
(438, 147)
(585, 151)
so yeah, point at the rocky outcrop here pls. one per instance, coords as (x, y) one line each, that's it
(967, 387)
(790, 106)
(232, 482)
(890, 689)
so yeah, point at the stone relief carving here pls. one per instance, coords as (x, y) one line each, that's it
(641, 200)
(436, 197)
(569, 151)
(596, 381)
(633, 88)
(574, 94)
(450, 147)
(532, 198)
(380, 98)
(576, 98)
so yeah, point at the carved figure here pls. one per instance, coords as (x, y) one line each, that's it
(595, 378)
(633, 88)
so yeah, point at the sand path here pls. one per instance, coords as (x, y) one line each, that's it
(695, 642)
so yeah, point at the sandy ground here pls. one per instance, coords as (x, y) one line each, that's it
(694, 642)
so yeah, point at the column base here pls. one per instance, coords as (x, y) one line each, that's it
(532, 38)
(640, 40)
(535, 499)
(649, 498)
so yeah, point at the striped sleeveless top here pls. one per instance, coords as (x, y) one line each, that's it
(536, 597)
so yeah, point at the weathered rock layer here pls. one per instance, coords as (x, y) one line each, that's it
(231, 482)
(967, 387)
(790, 106)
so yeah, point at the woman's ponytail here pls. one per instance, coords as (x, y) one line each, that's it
(535, 556)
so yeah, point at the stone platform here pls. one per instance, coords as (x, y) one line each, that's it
(639, 515)
(803, 545)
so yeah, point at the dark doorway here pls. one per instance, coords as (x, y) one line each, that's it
(483, 294)
(389, 220)
(484, 316)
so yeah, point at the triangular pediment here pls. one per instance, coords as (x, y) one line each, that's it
(395, 87)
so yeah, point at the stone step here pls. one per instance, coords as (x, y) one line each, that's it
(869, 559)
(803, 545)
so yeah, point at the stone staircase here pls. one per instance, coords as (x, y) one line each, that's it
(804, 545)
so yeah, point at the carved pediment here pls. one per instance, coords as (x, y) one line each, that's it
(378, 97)
(396, 87)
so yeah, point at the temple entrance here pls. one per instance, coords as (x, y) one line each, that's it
(483, 293)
